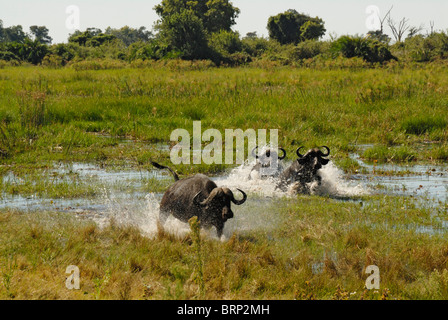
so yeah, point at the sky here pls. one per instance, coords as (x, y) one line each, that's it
(341, 17)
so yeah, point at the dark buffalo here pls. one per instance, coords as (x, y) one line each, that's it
(304, 170)
(267, 159)
(198, 196)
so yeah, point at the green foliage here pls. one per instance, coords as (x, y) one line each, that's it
(228, 48)
(294, 27)
(427, 48)
(130, 35)
(92, 37)
(378, 35)
(28, 51)
(370, 50)
(184, 32)
(421, 124)
(255, 46)
(225, 42)
(41, 34)
(12, 34)
(215, 15)
(308, 49)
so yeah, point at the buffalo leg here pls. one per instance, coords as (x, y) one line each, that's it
(163, 216)
(219, 229)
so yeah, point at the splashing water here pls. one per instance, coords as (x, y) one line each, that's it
(143, 212)
(333, 183)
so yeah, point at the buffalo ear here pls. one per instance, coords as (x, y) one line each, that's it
(324, 162)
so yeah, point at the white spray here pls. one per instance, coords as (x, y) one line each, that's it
(143, 212)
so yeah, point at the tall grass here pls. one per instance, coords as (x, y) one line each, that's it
(319, 250)
(308, 106)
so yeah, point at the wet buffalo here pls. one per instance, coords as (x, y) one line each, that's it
(268, 164)
(304, 170)
(198, 196)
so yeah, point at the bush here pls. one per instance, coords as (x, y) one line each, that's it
(255, 46)
(225, 42)
(308, 49)
(422, 49)
(370, 50)
(8, 56)
(52, 61)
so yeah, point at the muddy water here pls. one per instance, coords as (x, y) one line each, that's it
(427, 182)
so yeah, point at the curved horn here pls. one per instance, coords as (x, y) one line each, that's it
(298, 152)
(253, 152)
(196, 200)
(328, 151)
(240, 202)
(284, 154)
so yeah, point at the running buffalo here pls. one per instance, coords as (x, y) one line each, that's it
(268, 164)
(198, 196)
(304, 170)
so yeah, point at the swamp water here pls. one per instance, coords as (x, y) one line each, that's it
(140, 209)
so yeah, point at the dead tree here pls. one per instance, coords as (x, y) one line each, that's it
(398, 30)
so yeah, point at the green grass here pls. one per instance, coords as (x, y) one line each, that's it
(43, 110)
(117, 262)
(66, 115)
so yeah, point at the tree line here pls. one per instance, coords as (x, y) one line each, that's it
(202, 30)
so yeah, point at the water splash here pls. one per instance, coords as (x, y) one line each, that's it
(333, 183)
(141, 213)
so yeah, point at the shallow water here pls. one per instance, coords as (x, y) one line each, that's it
(427, 182)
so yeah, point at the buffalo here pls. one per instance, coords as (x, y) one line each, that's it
(304, 170)
(198, 196)
(267, 164)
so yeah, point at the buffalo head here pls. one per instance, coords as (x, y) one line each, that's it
(267, 162)
(314, 159)
(217, 205)
(304, 169)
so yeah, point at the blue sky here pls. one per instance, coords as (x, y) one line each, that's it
(341, 17)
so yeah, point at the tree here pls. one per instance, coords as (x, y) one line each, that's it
(14, 34)
(184, 32)
(220, 15)
(1, 31)
(130, 35)
(413, 31)
(294, 27)
(215, 15)
(379, 35)
(41, 34)
(92, 37)
(398, 30)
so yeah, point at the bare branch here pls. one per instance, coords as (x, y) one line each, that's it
(399, 30)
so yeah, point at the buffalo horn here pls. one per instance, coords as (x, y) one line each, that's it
(328, 151)
(284, 154)
(240, 202)
(298, 152)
